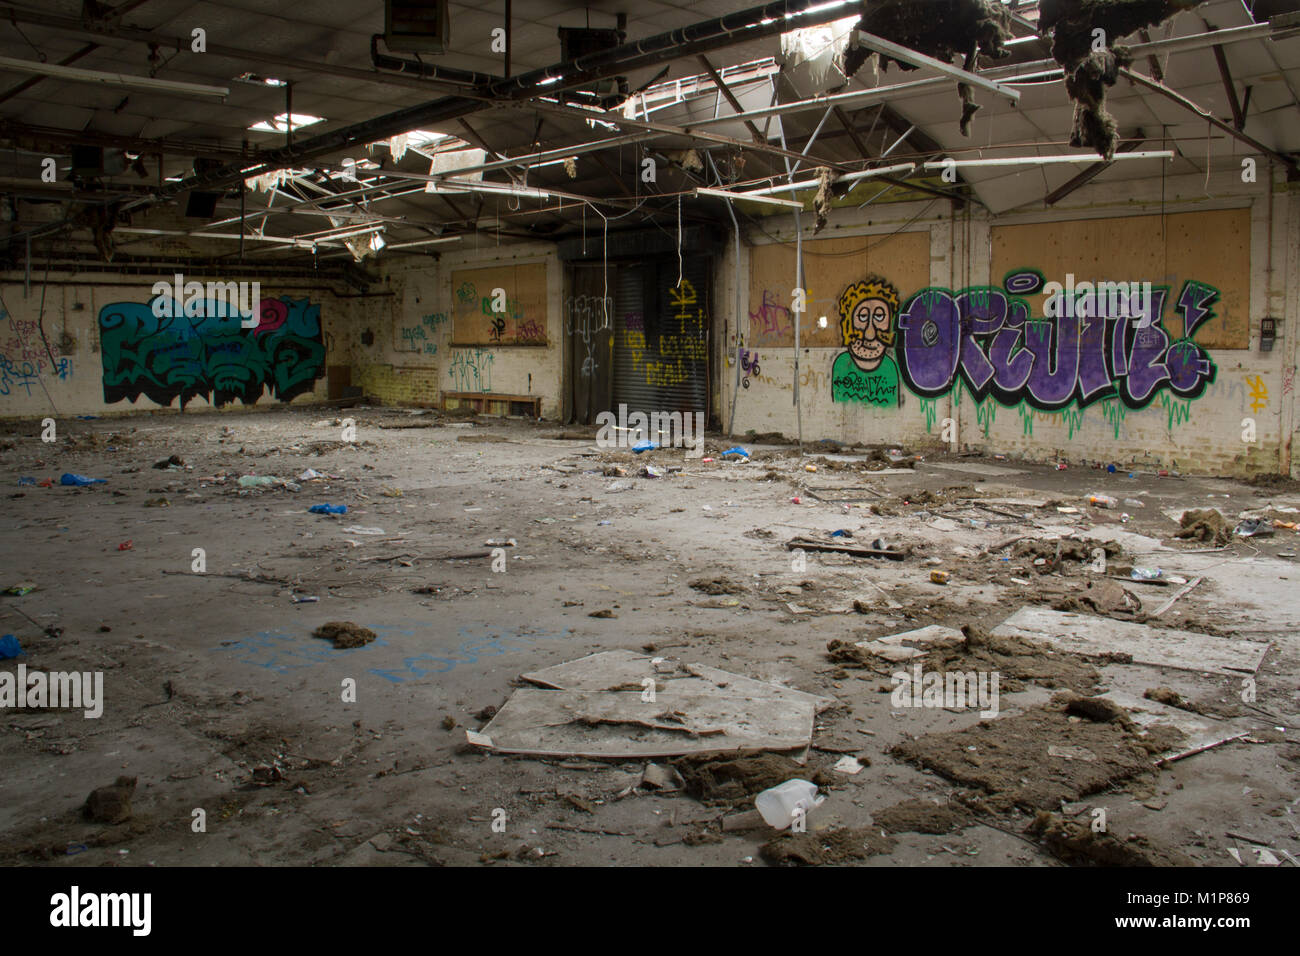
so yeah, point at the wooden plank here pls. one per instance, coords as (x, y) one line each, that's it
(1159, 647)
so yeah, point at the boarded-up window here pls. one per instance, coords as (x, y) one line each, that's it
(1211, 248)
(499, 305)
(830, 267)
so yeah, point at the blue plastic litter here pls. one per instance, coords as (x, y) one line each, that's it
(328, 509)
(24, 480)
(70, 479)
(737, 450)
(641, 446)
(9, 647)
(841, 534)
(1111, 469)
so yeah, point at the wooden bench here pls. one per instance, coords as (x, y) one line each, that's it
(494, 403)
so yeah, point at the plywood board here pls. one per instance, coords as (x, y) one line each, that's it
(1094, 636)
(625, 670)
(830, 267)
(524, 321)
(898, 647)
(1201, 731)
(622, 726)
(1211, 247)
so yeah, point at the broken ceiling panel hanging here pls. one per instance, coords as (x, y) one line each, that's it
(1083, 34)
(939, 29)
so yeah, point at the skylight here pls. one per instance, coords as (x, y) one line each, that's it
(281, 123)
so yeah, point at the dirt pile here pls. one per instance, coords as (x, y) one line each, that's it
(830, 847)
(344, 634)
(922, 816)
(1204, 524)
(111, 804)
(1078, 845)
(1036, 760)
(728, 781)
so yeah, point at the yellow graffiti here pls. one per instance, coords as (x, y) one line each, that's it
(1258, 394)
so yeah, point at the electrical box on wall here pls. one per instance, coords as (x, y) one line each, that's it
(1267, 333)
(417, 26)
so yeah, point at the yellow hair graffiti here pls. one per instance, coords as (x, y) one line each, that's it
(859, 292)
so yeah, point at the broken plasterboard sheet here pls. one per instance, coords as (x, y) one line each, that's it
(625, 670)
(1201, 732)
(895, 647)
(974, 468)
(1159, 647)
(622, 726)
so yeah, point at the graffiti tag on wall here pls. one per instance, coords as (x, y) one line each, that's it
(471, 370)
(25, 362)
(984, 340)
(985, 336)
(210, 356)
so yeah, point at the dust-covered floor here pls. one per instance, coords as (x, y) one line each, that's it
(231, 716)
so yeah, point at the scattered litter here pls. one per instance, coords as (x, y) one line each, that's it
(661, 777)
(736, 452)
(78, 481)
(857, 551)
(26, 481)
(849, 765)
(360, 529)
(305, 599)
(9, 647)
(125, 546)
(781, 805)
(344, 634)
(644, 446)
(1254, 528)
(651, 471)
(21, 588)
(939, 577)
(328, 509)
(311, 474)
(256, 481)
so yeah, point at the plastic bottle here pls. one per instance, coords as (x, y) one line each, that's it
(777, 805)
(1146, 574)
(1102, 501)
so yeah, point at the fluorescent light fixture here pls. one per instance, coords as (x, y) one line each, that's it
(377, 242)
(905, 169)
(79, 75)
(1049, 160)
(281, 123)
(548, 81)
(724, 194)
(425, 242)
(260, 80)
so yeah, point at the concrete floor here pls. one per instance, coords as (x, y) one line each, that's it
(210, 676)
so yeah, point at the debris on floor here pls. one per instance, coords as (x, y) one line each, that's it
(345, 634)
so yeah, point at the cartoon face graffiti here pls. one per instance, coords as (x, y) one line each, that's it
(867, 311)
(865, 373)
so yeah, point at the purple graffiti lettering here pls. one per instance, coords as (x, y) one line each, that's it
(931, 330)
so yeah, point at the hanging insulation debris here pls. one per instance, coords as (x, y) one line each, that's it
(822, 201)
(940, 29)
(1092, 60)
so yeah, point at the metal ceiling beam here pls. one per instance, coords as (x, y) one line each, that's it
(1063, 190)
(730, 97)
(1238, 116)
(1293, 171)
(82, 28)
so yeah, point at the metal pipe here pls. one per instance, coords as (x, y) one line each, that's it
(1047, 160)
(80, 75)
(904, 168)
(768, 200)
(904, 54)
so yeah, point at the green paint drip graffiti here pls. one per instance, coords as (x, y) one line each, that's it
(1114, 412)
(930, 408)
(985, 412)
(1072, 418)
(1178, 410)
